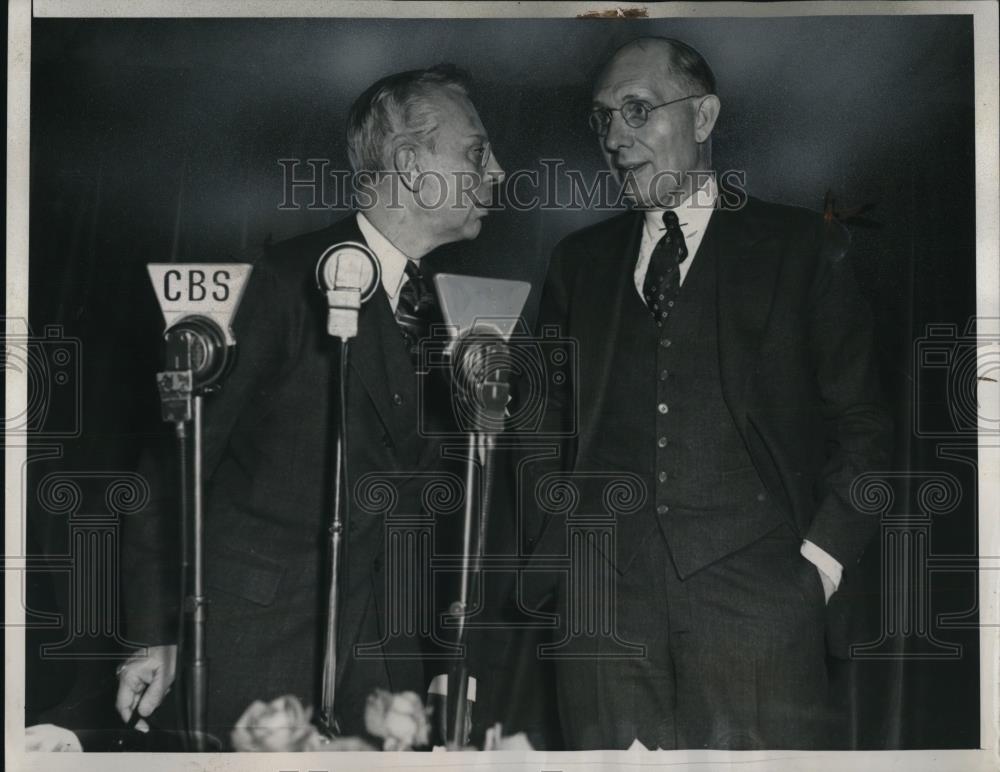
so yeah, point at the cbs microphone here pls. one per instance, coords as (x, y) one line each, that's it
(347, 274)
(198, 302)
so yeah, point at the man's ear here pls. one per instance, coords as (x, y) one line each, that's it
(404, 164)
(705, 117)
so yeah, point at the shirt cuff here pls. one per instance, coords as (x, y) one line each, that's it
(825, 562)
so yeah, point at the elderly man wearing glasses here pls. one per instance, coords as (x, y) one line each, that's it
(726, 371)
(417, 140)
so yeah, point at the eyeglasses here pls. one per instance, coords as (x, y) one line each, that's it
(634, 112)
(481, 155)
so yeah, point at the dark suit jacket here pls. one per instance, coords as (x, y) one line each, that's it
(267, 454)
(795, 354)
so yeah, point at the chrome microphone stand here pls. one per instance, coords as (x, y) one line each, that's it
(348, 275)
(197, 360)
(327, 717)
(479, 365)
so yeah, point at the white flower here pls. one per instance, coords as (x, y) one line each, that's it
(52, 738)
(281, 725)
(399, 719)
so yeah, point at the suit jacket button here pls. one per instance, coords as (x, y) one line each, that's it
(761, 496)
(662, 509)
(397, 399)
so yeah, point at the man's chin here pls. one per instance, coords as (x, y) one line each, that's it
(638, 200)
(652, 192)
(636, 191)
(472, 228)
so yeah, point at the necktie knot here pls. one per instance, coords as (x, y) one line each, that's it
(674, 236)
(416, 293)
(416, 309)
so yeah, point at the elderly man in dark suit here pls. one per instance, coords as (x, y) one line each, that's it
(268, 456)
(726, 369)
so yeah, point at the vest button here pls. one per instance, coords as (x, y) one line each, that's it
(662, 509)
(662, 442)
(664, 375)
(761, 496)
(397, 399)
(665, 343)
(662, 476)
(662, 407)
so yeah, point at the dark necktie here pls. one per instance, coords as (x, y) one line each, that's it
(663, 276)
(416, 310)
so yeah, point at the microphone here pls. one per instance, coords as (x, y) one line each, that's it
(197, 361)
(481, 315)
(347, 274)
(198, 301)
(482, 365)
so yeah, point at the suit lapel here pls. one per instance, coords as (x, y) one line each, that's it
(379, 357)
(605, 280)
(382, 363)
(747, 264)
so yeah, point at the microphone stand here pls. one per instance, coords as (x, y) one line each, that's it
(327, 717)
(195, 604)
(347, 274)
(197, 359)
(488, 401)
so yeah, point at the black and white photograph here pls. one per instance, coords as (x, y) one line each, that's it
(547, 387)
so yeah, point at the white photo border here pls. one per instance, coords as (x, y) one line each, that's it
(987, 85)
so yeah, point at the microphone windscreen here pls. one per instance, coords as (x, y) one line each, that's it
(469, 302)
(348, 266)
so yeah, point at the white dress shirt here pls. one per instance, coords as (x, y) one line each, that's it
(391, 260)
(693, 214)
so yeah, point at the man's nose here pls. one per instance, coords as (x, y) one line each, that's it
(494, 171)
(619, 133)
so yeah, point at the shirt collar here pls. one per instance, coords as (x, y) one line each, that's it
(391, 260)
(693, 212)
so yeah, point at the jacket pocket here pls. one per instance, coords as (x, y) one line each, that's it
(245, 574)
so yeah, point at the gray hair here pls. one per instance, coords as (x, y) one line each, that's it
(397, 105)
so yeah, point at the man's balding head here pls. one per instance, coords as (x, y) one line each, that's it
(675, 59)
(675, 87)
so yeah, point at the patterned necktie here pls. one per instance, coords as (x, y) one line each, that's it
(416, 310)
(663, 276)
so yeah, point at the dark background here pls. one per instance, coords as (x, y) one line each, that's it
(159, 140)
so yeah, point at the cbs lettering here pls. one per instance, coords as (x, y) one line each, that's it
(197, 286)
